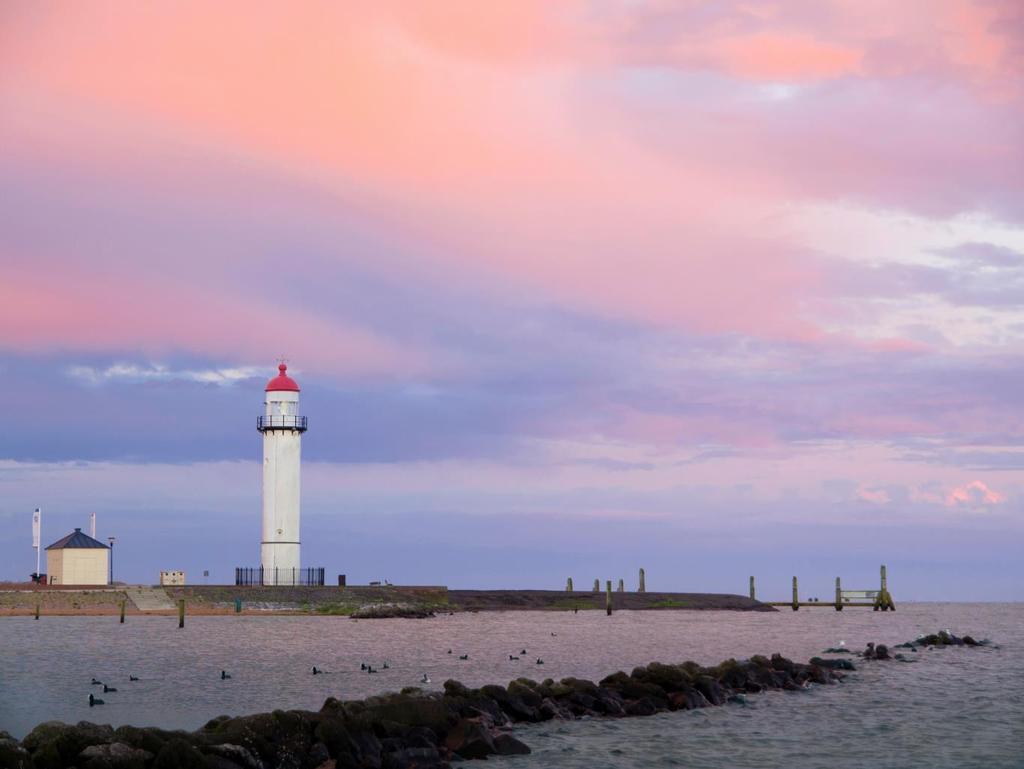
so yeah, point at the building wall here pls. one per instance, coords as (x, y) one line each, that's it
(172, 578)
(78, 566)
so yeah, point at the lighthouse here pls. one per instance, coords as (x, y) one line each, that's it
(282, 429)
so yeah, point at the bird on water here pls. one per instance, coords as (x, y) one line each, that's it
(540, 661)
(95, 701)
(224, 675)
(424, 680)
(463, 656)
(96, 682)
(133, 678)
(108, 689)
(512, 658)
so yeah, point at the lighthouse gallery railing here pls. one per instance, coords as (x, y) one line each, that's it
(275, 576)
(281, 422)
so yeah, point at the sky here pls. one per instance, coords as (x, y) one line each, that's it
(709, 288)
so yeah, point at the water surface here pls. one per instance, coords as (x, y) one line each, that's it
(956, 707)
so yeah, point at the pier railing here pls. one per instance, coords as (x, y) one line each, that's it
(260, 575)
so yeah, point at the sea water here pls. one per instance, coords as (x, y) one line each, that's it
(957, 707)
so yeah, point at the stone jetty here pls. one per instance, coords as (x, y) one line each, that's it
(412, 728)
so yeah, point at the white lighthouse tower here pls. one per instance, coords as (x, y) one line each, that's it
(282, 429)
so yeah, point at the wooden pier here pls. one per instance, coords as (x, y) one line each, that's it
(877, 600)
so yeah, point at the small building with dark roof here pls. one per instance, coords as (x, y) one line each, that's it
(77, 559)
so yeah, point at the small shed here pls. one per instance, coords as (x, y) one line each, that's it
(169, 578)
(78, 559)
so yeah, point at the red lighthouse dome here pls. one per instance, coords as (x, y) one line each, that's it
(282, 381)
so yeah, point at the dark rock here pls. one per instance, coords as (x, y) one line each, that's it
(644, 706)
(711, 689)
(149, 738)
(54, 745)
(236, 754)
(882, 652)
(507, 745)
(735, 675)
(512, 703)
(217, 762)
(469, 739)
(277, 739)
(214, 722)
(669, 678)
(782, 664)
(179, 754)
(833, 664)
(13, 755)
(633, 687)
(454, 688)
(318, 754)
(414, 758)
(367, 750)
(115, 755)
(331, 733)
(688, 700)
(581, 685)
(427, 710)
(609, 702)
(421, 737)
(581, 704)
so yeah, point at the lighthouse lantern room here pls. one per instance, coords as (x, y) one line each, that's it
(282, 428)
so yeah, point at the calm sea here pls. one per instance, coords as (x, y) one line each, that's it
(952, 708)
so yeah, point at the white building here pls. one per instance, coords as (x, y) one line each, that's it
(282, 429)
(172, 578)
(77, 559)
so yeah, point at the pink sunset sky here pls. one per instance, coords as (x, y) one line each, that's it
(737, 280)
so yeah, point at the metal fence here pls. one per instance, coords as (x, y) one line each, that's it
(275, 576)
(281, 422)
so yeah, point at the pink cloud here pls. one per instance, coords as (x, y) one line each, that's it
(875, 496)
(88, 311)
(784, 57)
(489, 134)
(974, 494)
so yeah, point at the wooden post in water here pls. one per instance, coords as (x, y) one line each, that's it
(753, 595)
(880, 600)
(568, 585)
(839, 596)
(643, 582)
(796, 596)
(122, 611)
(608, 598)
(622, 586)
(884, 599)
(597, 586)
(181, 613)
(37, 608)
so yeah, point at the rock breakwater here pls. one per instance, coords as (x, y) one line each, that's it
(411, 728)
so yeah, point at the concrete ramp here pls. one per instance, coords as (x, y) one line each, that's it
(149, 598)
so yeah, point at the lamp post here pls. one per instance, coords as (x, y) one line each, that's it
(111, 540)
